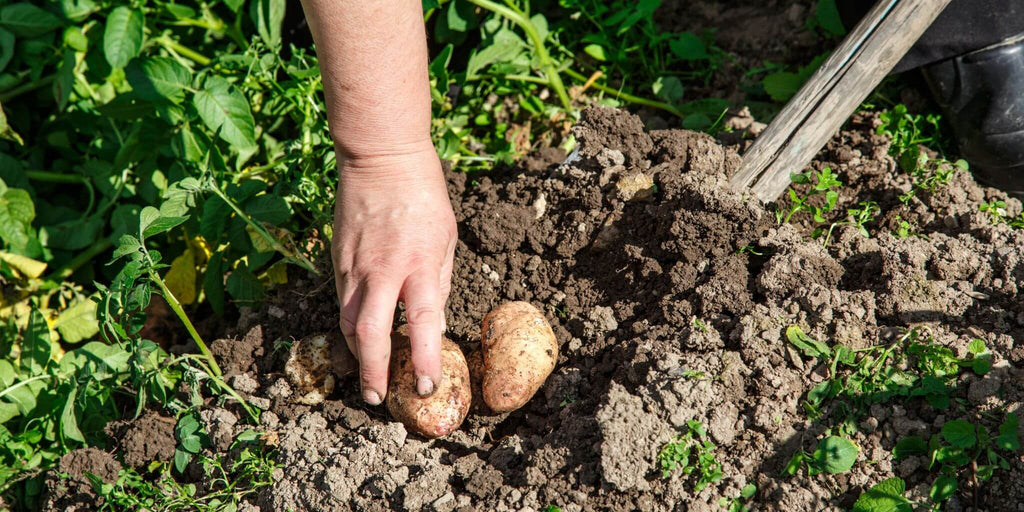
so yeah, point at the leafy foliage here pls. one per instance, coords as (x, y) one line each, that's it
(912, 366)
(677, 454)
(962, 451)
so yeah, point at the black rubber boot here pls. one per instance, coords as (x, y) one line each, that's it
(982, 93)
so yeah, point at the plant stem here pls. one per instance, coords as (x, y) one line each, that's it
(626, 96)
(176, 307)
(31, 86)
(295, 258)
(521, 19)
(23, 383)
(82, 258)
(231, 391)
(184, 51)
(55, 177)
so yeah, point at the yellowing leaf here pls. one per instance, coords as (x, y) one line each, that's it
(258, 242)
(277, 273)
(26, 266)
(181, 278)
(78, 322)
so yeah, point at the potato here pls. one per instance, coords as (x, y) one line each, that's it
(443, 411)
(309, 369)
(519, 352)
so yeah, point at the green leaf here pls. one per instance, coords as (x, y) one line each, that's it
(268, 15)
(36, 348)
(504, 46)
(942, 489)
(16, 214)
(78, 322)
(782, 86)
(234, 5)
(908, 447)
(215, 216)
(668, 88)
(6, 48)
(459, 17)
(810, 346)
(885, 496)
(268, 208)
(68, 421)
(596, 51)
(213, 283)
(126, 245)
(959, 433)
(26, 20)
(158, 79)
(977, 346)
(1007, 439)
(688, 46)
(748, 491)
(430, 4)
(181, 459)
(226, 111)
(834, 455)
(243, 285)
(794, 464)
(122, 37)
(126, 107)
(827, 15)
(147, 216)
(7, 374)
(191, 444)
(163, 224)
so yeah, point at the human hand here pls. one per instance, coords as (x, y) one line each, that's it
(394, 240)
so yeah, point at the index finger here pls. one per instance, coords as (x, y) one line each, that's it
(422, 297)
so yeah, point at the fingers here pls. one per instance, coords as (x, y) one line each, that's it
(350, 296)
(373, 337)
(445, 284)
(423, 311)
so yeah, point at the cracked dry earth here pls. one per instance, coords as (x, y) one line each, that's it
(624, 244)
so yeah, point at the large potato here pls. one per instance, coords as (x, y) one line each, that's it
(439, 413)
(519, 352)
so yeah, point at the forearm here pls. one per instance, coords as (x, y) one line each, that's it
(373, 60)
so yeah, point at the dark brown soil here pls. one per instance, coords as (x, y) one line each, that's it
(68, 489)
(641, 293)
(143, 440)
(661, 320)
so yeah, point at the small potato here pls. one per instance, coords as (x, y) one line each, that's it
(440, 413)
(519, 352)
(309, 369)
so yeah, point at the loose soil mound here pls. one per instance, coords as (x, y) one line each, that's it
(631, 246)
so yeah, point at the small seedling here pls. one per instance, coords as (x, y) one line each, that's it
(858, 217)
(962, 452)
(906, 229)
(740, 503)
(912, 366)
(833, 455)
(996, 211)
(825, 183)
(677, 454)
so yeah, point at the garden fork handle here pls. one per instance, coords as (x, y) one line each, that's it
(843, 81)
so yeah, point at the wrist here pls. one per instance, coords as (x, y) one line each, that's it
(390, 163)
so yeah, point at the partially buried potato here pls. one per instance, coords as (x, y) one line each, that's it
(519, 352)
(440, 413)
(309, 369)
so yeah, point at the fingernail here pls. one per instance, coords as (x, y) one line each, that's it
(371, 397)
(424, 386)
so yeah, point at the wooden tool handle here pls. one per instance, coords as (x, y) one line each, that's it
(831, 95)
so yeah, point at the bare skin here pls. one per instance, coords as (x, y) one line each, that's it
(394, 229)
